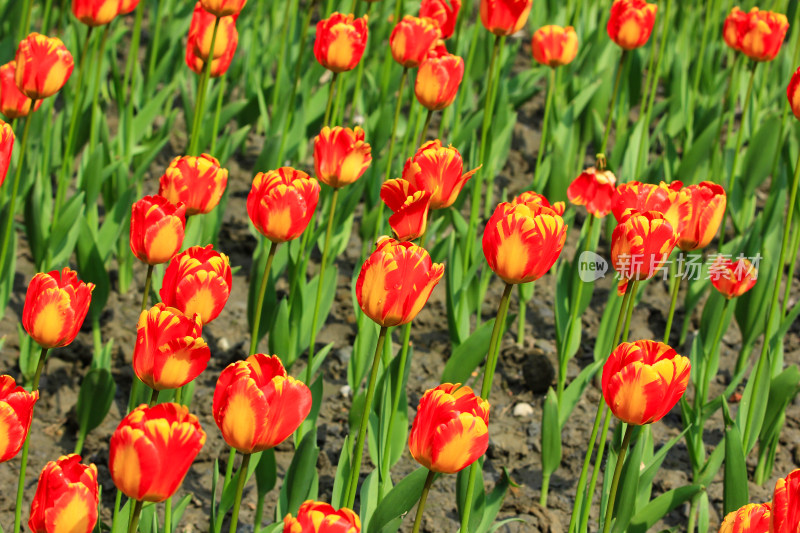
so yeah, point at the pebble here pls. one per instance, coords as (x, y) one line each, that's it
(345, 391)
(223, 344)
(522, 410)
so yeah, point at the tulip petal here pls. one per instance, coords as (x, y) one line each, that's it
(12, 433)
(459, 443)
(288, 402)
(74, 512)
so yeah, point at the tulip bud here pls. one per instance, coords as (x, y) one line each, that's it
(341, 155)
(640, 244)
(169, 350)
(6, 148)
(16, 414)
(55, 306)
(785, 508)
(596, 189)
(95, 12)
(127, 6)
(671, 200)
(707, 209)
(196, 182)
(410, 207)
(757, 34)
(411, 40)
(152, 449)
(554, 46)
(443, 12)
(281, 203)
(791, 93)
(198, 45)
(340, 41)
(13, 104)
(522, 241)
(396, 281)
(437, 170)
(438, 79)
(319, 517)
(223, 8)
(157, 229)
(751, 518)
(631, 23)
(643, 380)
(43, 66)
(450, 430)
(257, 405)
(66, 497)
(198, 282)
(732, 278)
(504, 17)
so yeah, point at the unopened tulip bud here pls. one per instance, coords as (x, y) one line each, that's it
(631, 23)
(43, 66)
(340, 41)
(554, 46)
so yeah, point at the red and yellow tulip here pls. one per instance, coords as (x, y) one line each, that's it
(66, 497)
(785, 509)
(751, 518)
(6, 148)
(450, 430)
(411, 40)
(95, 12)
(732, 278)
(504, 17)
(152, 449)
(43, 66)
(438, 79)
(170, 351)
(671, 200)
(535, 200)
(127, 6)
(157, 229)
(13, 103)
(706, 202)
(16, 414)
(409, 206)
(196, 182)
(554, 46)
(757, 34)
(341, 155)
(257, 405)
(340, 41)
(223, 8)
(791, 93)
(437, 170)
(198, 45)
(595, 189)
(198, 281)
(643, 380)
(631, 23)
(320, 517)
(640, 244)
(55, 306)
(281, 203)
(443, 12)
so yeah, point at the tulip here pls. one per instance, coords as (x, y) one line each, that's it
(127, 6)
(152, 449)
(535, 200)
(157, 229)
(757, 34)
(223, 8)
(198, 282)
(785, 511)
(411, 39)
(6, 148)
(640, 245)
(438, 79)
(554, 46)
(319, 517)
(450, 430)
(395, 282)
(706, 202)
(13, 103)
(732, 278)
(631, 23)
(671, 200)
(410, 207)
(281, 202)
(504, 17)
(95, 12)
(521, 242)
(340, 41)
(596, 189)
(341, 155)
(791, 93)
(437, 170)
(66, 497)
(16, 414)
(198, 45)
(55, 306)
(643, 380)
(257, 405)
(170, 351)
(735, 27)
(443, 12)
(196, 182)
(43, 66)
(751, 518)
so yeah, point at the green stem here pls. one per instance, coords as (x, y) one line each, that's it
(217, 113)
(359, 74)
(613, 103)
(26, 20)
(631, 305)
(551, 89)
(725, 102)
(146, 291)
(422, 499)
(589, 496)
(153, 397)
(701, 55)
(117, 504)
(133, 54)
(790, 275)
(740, 134)
(12, 203)
(151, 66)
(229, 467)
(237, 502)
(260, 302)
(523, 307)
(341, 90)
(203, 90)
(626, 441)
(329, 105)
(48, 6)
(581, 487)
(702, 394)
(320, 284)
(135, 514)
(96, 95)
(396, 393)
(424, 133)
(676, 285)
(168, 515)
(276, 89)
(693, 513)
(362, 431)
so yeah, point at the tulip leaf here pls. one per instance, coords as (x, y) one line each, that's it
(229, 490)
(735, 490)
(178, 510)
(94, 399)
(574, 391)
(300, 477)
(629, 483)
(370, 489)
(8, 274)
(266, 473)
(64, 236)
(342, 475)
(398, 502)
(494, 500)
(551, 434)
(646, 518)
(470, 354)
(478, 502)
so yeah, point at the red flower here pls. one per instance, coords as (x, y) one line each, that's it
(43, 66)
(751, 518)
(438, 79)
(66, 497)
(13, 103)
(157, 229)
(671, 200)
(223, 8)
(6, 148)
(640, 244)
(437, 170)
(631, 23)
(341, 155)
(594, 189)
(785, 516)
(411, 40)
(198, 45)
(504, 17)
(319, 517)
(444, 12)
(732, 279)
(554, 46)
(757, 34)
(410, 207)
(196, 182)
(791, 93)
(281, 203)
(707, 209)
(340, 41)
(127, 6)
(95, 12)
(16, 414)
(198, 281)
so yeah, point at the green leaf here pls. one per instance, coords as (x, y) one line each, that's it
(551, 434)
(399, 501)
(734, 489)
(94, 399)
(302, 473)
(266, 473)
(651, 513)
(494, 500)
(468, 355)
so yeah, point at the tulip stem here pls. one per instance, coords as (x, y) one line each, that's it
(424, 133)
(551, 89)
(613, 103)
(98, 67)
(12, 203)
(581, 487)
(217, 113)
(612, 496)
(675, 285)
(153, 397)
(26, 20)
(329, 105)
(359, 71)
(398, 389)
(284, 36)
(790, 275)
(133, 54)
(237, 502)
(702, 393)
(202, 90)
(320, 283)
(135, 514)
(422, 499)
(147, 282)
(358, 453)
(260, 302)
(154, 42)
